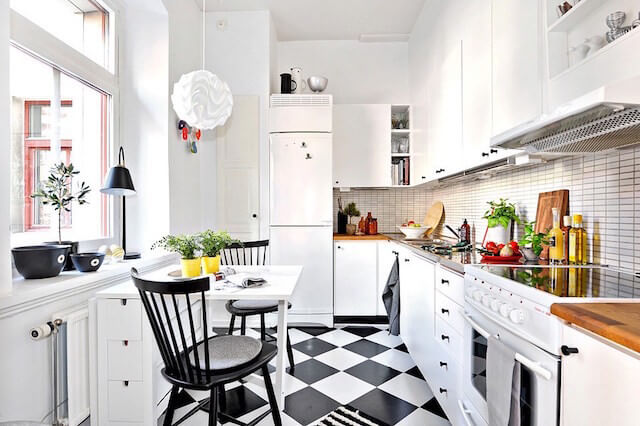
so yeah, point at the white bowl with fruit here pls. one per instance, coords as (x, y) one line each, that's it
(412, 230)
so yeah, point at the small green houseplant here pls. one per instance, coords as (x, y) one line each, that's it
(185, 245)
(211, 244)
(351, 211)
(533, 241)
(57, 191)
(500, 215)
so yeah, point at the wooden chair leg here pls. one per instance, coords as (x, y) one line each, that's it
(213, 407)
(263, 329)
(292, 364)
(232, 324)
(273, 402)
(168, 417)
(243, 325)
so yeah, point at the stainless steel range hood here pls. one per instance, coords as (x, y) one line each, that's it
(604, 119)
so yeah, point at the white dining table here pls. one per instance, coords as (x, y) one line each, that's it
(281, 281)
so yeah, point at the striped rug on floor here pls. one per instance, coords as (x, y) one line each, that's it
(348, 416)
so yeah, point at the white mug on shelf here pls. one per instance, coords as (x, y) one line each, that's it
(300, 84)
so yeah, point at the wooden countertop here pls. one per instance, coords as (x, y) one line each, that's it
(344, 237)
(618, 322)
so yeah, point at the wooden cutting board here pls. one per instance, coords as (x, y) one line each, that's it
(546, 201)
(433, 217)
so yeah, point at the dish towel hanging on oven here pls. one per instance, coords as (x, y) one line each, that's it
(503, 384)
(391, 298)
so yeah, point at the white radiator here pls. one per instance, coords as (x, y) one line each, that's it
(71, 364)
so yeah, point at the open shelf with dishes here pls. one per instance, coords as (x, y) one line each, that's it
(401, 150)
(580, 31)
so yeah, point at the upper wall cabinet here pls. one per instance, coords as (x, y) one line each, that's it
(516, 63)
(361, 145)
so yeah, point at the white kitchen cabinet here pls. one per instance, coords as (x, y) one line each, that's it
(355, 278)
(417, 294)
(599, 382)
(361, 145)
(516, 56)
(387, 254)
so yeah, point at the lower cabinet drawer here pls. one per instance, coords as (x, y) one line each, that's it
(124, 360)
(125, 401)
(123, 319)
(450, 312)
(450, 339)
(451, 284)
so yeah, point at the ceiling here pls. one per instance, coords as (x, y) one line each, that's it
(330, 19)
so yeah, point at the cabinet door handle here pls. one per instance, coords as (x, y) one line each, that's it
(445, 337)
(485, 154)
(339, 247)
(406, 260)
(424, 177)
(566, 350)
(443, 364)
(443, 281)
(493, 151)
(126, 383)
(254, 215)
(445, 311)
(394, 252)
(443, 390)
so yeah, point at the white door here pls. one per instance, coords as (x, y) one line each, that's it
(311, 247)
(301, 191)
(361, 145)
(355, 292)
(237, 161)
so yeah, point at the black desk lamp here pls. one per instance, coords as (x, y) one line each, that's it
(119, 182)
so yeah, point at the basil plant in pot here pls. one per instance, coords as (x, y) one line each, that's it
(57, 192)
(532, 242)
(211, 244)
(500, 218)
(351, 210)
(188, 248)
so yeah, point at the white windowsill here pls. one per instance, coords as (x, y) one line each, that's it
(28, 294)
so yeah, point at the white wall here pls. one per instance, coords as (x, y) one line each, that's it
(239, 54)
(5, 236)
(144, 72)
(357, 72)
(184, 167)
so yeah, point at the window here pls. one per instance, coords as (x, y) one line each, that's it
(62, 109)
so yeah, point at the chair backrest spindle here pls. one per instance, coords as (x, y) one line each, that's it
(247, 253)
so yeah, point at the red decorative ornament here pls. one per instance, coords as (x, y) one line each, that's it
(198, 133)
(185, 133)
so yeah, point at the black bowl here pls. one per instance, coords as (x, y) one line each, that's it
(68, 266)
(87, 262)
(43, 261)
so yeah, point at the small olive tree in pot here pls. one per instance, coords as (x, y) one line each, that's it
(351, 211)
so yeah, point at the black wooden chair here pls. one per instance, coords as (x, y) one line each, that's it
(252, 253)
(206, 364)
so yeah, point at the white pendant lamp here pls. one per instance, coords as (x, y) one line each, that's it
(200, 97)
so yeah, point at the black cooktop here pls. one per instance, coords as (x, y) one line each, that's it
(569, 281)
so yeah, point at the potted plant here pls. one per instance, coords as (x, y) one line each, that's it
(351, 211)
(57, 192)
(187, 246)
(211, 244)
(532, 242)
(500, 217)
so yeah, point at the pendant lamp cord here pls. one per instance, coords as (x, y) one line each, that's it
(204, 26)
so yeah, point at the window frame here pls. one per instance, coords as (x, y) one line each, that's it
(35, 41)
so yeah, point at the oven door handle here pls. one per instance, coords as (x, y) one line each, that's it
(532, 365)
(466, 414)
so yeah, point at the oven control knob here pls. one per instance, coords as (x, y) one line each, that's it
(486, 300)
(477, 295)
(505, 310)
(495, 305)
(516, 316)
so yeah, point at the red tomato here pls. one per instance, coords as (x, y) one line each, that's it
(491, 245)
(500, 246)
(514, 246)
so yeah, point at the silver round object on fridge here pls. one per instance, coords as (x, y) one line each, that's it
(317, 83)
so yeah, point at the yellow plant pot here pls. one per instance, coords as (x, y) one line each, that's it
(211, 265)
(190, 267)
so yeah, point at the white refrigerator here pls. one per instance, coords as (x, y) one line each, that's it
(301, 210)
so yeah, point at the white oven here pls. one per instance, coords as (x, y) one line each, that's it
(539, 384)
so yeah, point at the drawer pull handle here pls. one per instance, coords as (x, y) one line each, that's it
(406, 260)
(566, 350)
(126, 383)
(445, 337)
(443, 364)
(444, 281)
(445, 311)
(125, 342)
(123, 302)
(395, 252)
(443, 390)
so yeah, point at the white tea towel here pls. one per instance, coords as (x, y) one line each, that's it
(514, 418)
(500, 363)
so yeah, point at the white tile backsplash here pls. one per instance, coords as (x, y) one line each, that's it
(604, 187)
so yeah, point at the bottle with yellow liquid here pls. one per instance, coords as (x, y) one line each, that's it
(577, 242)
(556, 239)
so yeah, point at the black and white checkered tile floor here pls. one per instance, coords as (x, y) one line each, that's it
(363, 367)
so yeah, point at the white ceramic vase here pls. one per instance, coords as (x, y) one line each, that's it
(499, 234)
